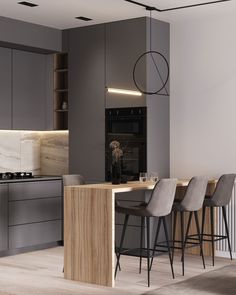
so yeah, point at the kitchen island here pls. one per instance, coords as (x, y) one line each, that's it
(89, 228)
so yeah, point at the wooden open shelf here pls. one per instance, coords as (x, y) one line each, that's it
(60, 91)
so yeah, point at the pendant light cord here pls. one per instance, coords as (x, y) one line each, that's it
(158, 72)
(150, 30)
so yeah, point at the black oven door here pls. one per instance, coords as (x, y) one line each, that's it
(126, 122)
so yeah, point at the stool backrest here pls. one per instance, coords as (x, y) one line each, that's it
(162, 197)
(73, 179)
(195, 194)
(223, 190)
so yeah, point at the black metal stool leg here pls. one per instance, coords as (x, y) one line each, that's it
(155, 241)
(199, 237)
(182, 239)
(141, 244)
(168, 245)
(148, 249)
(212, 235)
(174, 229)
(227, 231)
(203, 223)
(121, 242)
(187, 230)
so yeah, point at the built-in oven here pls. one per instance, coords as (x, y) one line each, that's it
(128, 127)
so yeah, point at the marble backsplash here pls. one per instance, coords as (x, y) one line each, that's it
(44, 153)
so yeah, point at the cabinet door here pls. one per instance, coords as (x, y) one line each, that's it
(125, 42)
(3, 217)
(29, 91)
(86, 99)
(5, 86)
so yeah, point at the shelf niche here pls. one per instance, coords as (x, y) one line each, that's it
(60, 91)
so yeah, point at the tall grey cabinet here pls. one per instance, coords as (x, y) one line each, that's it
(5, 86)
(103, 56)
(86, 59)
(29, 93)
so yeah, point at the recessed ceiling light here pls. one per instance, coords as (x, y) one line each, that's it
(29, 4)
(86, 19)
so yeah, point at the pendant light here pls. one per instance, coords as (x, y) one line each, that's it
(161, 76)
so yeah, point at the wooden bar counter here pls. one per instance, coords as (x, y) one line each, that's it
(89, 230)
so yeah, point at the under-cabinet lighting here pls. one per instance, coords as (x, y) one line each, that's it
(124, 91)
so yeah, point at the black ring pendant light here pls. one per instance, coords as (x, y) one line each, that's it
(152, 54)
(164, 82)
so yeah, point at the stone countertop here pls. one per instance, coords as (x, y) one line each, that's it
(35, 178)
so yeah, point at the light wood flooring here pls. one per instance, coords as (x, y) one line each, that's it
(40, 273)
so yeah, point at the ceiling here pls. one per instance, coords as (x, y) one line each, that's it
(61, 13)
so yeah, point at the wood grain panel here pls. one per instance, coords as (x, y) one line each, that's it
(89, 235)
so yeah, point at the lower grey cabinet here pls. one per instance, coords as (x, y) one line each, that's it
(30, 214)
(3, 217)
(34, 234)
(35, 213)
(34, 190)
(31, 211)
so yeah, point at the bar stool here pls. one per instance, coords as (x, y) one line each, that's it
(192, 202)
(220, 198)
(159, 205)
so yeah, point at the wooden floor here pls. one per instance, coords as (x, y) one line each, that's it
(40, 273)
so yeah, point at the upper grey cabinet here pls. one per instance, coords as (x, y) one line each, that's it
(5, 86)
(125, 42)
(29, 91)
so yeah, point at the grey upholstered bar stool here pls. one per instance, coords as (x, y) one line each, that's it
(159, 205)
(73, 179)
(220, 198)
(191, 202)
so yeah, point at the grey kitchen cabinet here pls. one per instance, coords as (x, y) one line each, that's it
(29, 90)
(34, 234)
(35, 213)
(125, 42)
(34, 190)
(3, 217)
(87, 102)
(5, 86)
(31, 211)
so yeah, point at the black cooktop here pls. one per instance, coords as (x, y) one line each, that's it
(16, 175)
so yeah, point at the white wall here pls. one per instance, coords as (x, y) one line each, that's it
(203, 97)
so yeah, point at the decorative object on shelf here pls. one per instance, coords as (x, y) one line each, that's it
(64, 105)
(117, 154)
